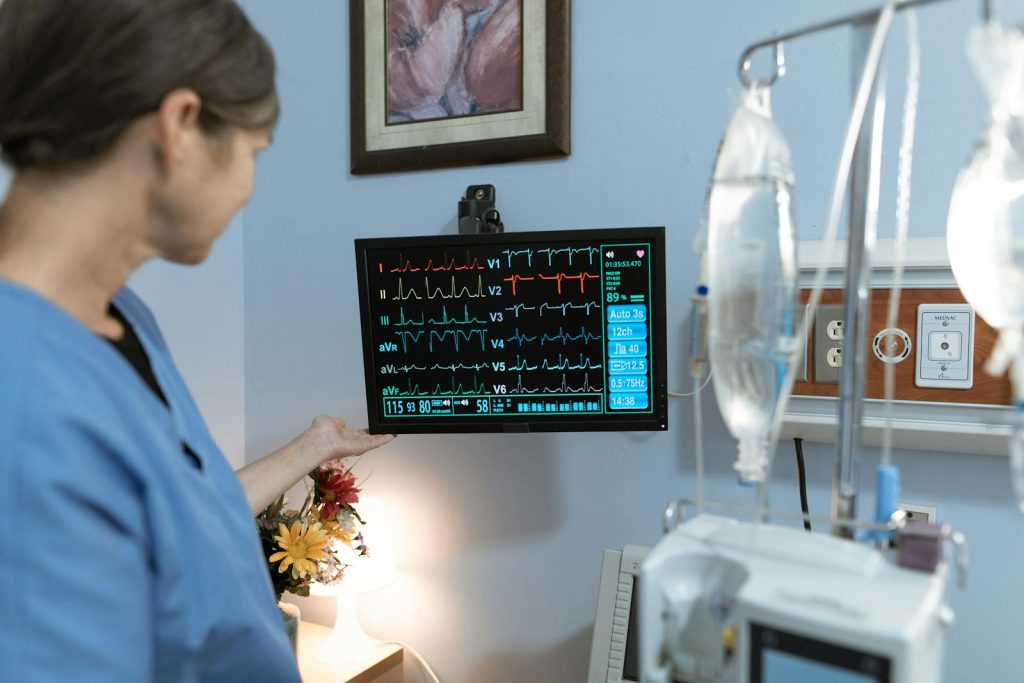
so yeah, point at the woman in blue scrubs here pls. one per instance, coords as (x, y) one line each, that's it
(128, 550)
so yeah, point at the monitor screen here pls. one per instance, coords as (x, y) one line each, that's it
(778, 656)
(514, 332)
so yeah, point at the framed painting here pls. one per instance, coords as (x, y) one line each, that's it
(442, 83)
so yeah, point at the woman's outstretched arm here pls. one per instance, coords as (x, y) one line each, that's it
(326, 439)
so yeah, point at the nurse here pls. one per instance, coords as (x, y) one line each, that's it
(128, 550)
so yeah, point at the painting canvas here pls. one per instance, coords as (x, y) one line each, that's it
(449, 58)
(440, 83)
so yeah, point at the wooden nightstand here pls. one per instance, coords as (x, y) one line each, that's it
(383, 667)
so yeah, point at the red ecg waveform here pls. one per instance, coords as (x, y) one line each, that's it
(561, 277)
(514, 279)
(405, 266)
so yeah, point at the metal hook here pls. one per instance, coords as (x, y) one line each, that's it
(780, 66)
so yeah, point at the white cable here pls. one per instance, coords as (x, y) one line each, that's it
(698, 444)
(694, 392)
(906, 164)
(843, 170)
(419, 658)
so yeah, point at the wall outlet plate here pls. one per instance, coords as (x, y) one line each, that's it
(976, 421)
(825, 322)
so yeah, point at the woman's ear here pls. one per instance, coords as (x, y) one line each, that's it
(177, 121)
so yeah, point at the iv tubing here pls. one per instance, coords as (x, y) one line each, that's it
(906, 163)
(864, 88)
(698, 444)
(695, 391)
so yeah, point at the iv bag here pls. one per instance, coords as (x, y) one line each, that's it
(985, 230)
(752, 276)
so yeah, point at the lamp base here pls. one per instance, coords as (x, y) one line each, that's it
(348, 641)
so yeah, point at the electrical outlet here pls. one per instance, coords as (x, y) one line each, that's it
(828, 344)
(918, 513)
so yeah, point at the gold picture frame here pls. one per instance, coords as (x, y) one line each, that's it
(539, 128)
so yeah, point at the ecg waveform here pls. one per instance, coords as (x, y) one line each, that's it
(452, 367)
(586, 308)
(444, 319)
(557, 278)
(562, 336)
(515, 279)
(562, 277)
(560, 364)
(456, 335)
(459, 366)
(405, 266)
(564, 364)
(563, 388)
(590, 252)
(410, 368)
(436, 292)
(510, 253)
(452, 390)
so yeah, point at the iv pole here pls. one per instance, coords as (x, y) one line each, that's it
(863, 217)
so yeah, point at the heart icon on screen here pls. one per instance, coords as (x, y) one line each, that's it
(640, 253)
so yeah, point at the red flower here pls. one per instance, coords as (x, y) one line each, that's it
(336, 489)
(328, 511)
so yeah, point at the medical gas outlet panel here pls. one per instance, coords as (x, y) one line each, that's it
(934, 348)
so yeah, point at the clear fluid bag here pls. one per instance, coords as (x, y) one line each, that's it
(752, 276)
(985, 230)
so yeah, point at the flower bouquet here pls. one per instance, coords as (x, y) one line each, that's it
(309, 544)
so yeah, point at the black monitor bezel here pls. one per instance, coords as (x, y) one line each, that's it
(656, 421)
(812, 650)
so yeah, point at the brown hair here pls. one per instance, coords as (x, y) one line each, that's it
(74, 74)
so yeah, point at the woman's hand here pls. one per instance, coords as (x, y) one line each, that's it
(326, 441)
(331, 440)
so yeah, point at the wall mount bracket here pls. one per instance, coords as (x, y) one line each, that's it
(477, 214)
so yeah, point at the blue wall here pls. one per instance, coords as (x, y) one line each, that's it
(200, 312)
(501, 536)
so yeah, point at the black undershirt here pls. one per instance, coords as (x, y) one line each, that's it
(131, 348)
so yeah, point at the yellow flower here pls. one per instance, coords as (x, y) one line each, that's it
(302, 547)
(339, 533)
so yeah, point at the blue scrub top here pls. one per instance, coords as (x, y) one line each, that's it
(120, 560)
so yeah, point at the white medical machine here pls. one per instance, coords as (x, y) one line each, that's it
(613, 647)
(721, 600)
(734, 601)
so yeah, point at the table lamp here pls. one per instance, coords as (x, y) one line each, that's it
(365, 574)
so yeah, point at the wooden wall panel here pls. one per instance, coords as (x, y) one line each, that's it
(987, 390)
